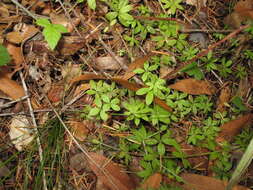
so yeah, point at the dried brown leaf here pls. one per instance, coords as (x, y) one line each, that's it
(223, 98)
(198, 182)
(138, 63)
(244, 8)
(11, 87)
(16, 55)
(194, 87)
(56, 93)
(110, 173)
(232, 128)
(153, 182)
(108, 63)
(69, 45)
(79, 129)
(22, 31)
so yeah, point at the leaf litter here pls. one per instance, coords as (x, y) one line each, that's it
(116, 129)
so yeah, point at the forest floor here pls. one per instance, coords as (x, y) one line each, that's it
(125, 94)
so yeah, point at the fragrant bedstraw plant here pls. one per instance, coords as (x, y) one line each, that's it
(153, 146)
(106, 99)
(120, 12)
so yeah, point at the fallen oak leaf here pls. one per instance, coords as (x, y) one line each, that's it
(223, 98)
(108, 63)
(232, 128)
(194, 87)
(244, 8)
(21, 33)
(198, 182)
(153, 182)
(11, 87)
(110, 173)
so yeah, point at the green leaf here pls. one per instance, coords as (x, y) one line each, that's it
(111, 15)
(161, 148)
(94, 111)
(115, 107)
(60, 28)
(105, 98)
(171, 42)
(43, 22)
(151, 141)
(149, 98)
(103, 115)
(237, 101)
(193, 70)
(142, 91)
(92, 4)
(4, 56)
(52, 36)
(125, 9)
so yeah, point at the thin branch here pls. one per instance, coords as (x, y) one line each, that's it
(35, 129)
(13, 102)
(25, 113)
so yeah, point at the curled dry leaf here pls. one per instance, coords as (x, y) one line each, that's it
(78, 162)
(56, 93)
(194, 87)
(11, 87)
(108, 63)
(4, 12)
(110, 173)
(79, 129)
(153, 182)
(232, 128)
(63, 20)
(244, 8)
(223, 98)
(20, 132)
(22, 31)
(69, 45)
(16, 55)
(198, 182)
(244, 87)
